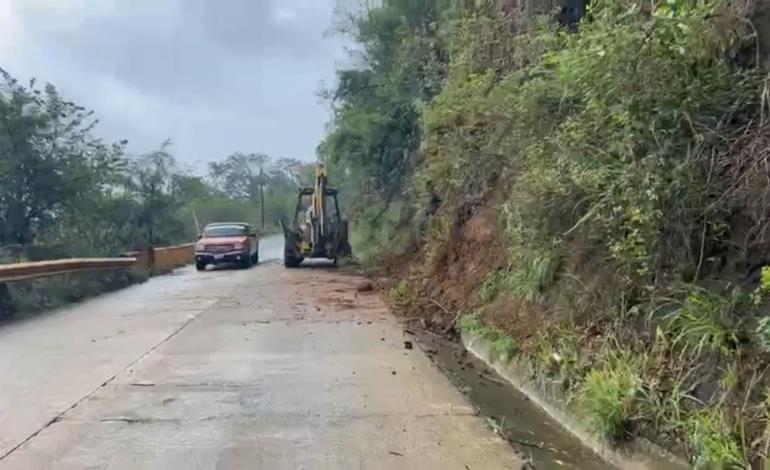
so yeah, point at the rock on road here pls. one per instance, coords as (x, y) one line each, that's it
(264, 368)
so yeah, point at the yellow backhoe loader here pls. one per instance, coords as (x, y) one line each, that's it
(318, 229)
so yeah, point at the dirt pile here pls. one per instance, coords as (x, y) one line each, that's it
(440, 293)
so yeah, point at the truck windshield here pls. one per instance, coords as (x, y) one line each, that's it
(225, 231)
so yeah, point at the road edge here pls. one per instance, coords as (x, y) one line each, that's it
(640, 454)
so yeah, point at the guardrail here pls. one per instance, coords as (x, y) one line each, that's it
(38, 269)
(153, 260)
(148, 262)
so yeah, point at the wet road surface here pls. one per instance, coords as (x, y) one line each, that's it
(264, 368)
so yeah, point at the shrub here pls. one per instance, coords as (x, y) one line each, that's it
(504, 347)
(375, 233)
(702, 323)
(714, 442)
(607, 398)
(400, 291)
(763, 333)
(538, 274)
(471, 323)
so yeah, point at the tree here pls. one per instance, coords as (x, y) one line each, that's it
(48, 158)
(257, 178)
(240, 175)
(375, 134)
(152, 182)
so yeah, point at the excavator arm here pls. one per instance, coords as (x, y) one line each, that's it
(325, 234)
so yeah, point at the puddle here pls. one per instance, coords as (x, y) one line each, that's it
(530, 430)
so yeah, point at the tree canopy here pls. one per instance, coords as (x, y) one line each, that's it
(65, 192)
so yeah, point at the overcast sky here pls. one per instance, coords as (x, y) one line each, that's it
(214, 76)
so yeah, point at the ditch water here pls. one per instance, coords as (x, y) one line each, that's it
(537, 436)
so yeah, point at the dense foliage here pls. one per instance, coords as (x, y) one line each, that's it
(64, 192)
(626, 163)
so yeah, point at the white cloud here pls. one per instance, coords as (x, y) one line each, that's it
(213, 76)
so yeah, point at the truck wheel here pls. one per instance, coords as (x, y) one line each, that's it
(255, 258)
(246, 262)
(291, 262)
(200, 266)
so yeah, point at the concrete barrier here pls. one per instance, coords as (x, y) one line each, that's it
(163, 259)
(171, 257)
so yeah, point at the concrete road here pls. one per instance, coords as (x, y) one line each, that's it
(264, 368)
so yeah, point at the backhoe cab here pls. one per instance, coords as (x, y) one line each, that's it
(317, 229)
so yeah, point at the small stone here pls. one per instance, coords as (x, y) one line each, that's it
(407, 345)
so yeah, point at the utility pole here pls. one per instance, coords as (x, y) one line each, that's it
(262, 196)
(197, 225)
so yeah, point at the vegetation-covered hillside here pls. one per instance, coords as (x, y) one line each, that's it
(593, 197)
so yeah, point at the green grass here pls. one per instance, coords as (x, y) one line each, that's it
(528, 282)
(714, 442)
(762, 333)
(558, 351)
(503, 346)
(701, 323)
(491, 286)
(400, 291)
(537, 275)
(607, 398)
(471, 323)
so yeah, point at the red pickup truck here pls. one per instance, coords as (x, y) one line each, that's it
(220, 243)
